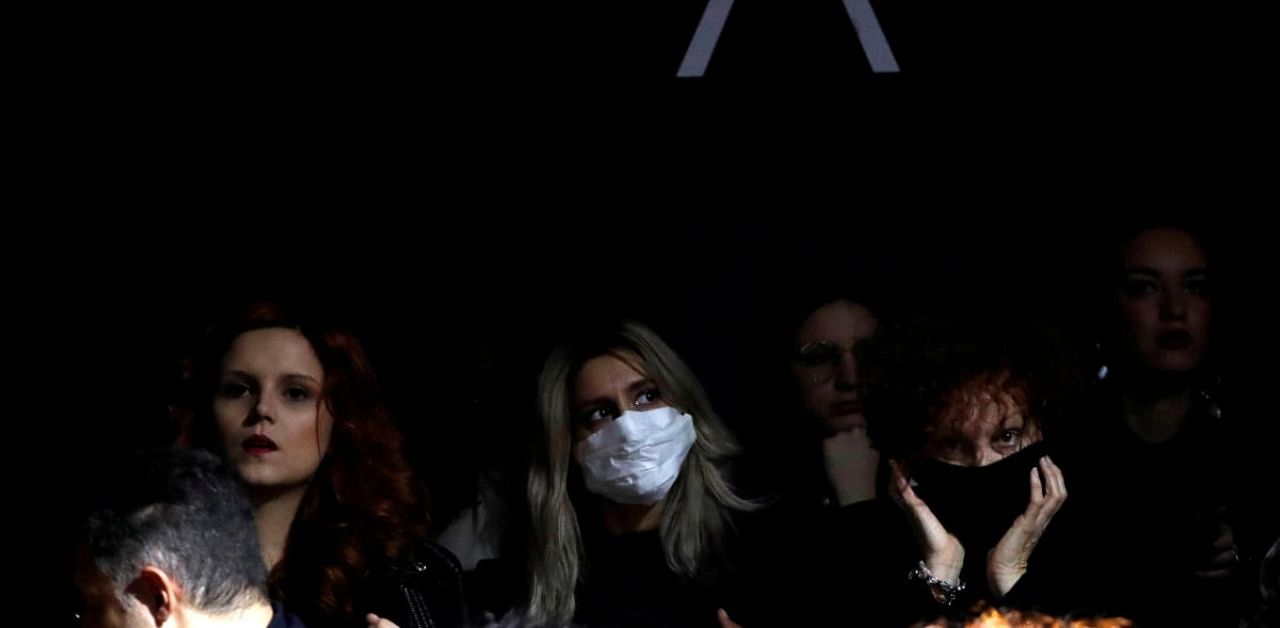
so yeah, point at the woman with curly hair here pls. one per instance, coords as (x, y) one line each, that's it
(294, 407)
(961, 405)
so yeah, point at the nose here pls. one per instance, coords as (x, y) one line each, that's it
(985, 456)
(846, 371)
(1173, 304)
(263, 410)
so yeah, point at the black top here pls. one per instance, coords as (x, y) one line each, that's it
(424, 590)
(1156, 508)
(627, 583)
(855, 560)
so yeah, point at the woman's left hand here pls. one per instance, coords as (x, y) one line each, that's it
(1007, 561)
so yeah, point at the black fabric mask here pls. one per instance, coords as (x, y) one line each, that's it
(977, 504)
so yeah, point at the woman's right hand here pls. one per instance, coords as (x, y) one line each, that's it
(851, 464)
(943, 554)
(379, 622)
(1225, 560)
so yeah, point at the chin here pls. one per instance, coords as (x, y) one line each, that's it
(1174, 363)
(257, 476)
(845, 422)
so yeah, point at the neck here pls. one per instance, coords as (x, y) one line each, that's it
(274, 511)
(255, 616)
(1157, 415)
(627, 518)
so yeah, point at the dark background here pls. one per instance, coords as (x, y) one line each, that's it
(457, 318)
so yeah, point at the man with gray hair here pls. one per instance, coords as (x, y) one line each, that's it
(173, 544)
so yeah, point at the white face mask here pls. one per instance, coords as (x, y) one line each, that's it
(637, 457)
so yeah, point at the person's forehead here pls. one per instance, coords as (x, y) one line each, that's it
(607, 374)
(979, 411)
(1164, 248)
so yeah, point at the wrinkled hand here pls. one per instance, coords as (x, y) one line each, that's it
(1225, 558)
(725, 622)
(1007, 561)
(851, 465)
(943, 554)
(378, 622)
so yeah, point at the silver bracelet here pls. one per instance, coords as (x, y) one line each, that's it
(943, 592)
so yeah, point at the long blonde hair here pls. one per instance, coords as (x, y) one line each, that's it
(696, 521)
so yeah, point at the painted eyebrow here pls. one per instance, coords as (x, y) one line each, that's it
(1145, 271)
(1004, 422)
(633, 388)
(640, 385)
(302, 376)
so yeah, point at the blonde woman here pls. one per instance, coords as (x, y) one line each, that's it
(632, 515)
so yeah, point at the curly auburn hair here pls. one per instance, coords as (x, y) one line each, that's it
(915, 374)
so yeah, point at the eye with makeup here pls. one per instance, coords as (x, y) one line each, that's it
(1008, 438)
(233, 389)
(1011, 434)
(818, 353)
(1137, 287)
(647, 397)
(1198, 286)
(297, 394)
(594, 414)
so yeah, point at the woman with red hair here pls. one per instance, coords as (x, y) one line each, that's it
(295, 408)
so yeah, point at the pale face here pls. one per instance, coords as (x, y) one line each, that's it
(1164, 301)
(269, 410)
(824, 366)
(605, 387)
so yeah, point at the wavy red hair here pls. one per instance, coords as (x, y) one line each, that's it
(363, 508)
